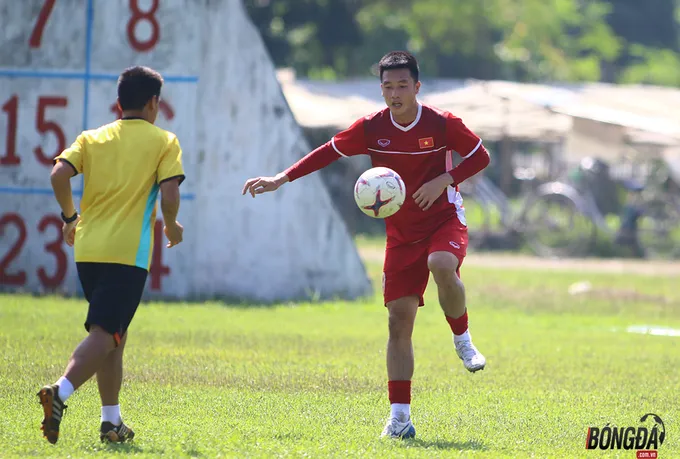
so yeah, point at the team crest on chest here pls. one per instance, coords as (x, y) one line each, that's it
(427, 142)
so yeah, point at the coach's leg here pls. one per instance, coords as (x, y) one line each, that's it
(83, 364)
(109, 381)
(444, 266)
(89, 356)
(130, 282)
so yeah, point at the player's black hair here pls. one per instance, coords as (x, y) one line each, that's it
(137, 85)
(399, 60)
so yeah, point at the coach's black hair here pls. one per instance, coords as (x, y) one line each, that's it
(137, 85)
(399, 60)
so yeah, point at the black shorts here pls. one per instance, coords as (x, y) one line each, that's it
(114, 292)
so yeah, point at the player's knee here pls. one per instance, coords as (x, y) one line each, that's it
(402, 314)
(400, 327)
(443, 266)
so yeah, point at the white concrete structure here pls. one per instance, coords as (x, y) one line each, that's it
(59, 61)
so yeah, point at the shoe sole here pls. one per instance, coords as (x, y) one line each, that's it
(406, 436)
(47, 400)
(409, 434)
(112, 437)
(473, 369)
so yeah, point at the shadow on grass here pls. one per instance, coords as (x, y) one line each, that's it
(446, 445)
(239, 303)
(133, 448)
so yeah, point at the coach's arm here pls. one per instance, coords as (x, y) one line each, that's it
(61, 186)
(170, 208)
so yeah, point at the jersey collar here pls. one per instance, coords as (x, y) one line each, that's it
(410, 126)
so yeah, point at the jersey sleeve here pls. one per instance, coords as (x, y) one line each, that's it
(459, 138)
(170, 165)
(73, 155)
(351, 141)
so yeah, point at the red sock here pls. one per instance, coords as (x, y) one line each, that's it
(459, 325)
(399, 391)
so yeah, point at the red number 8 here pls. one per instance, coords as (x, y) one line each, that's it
(137, 16)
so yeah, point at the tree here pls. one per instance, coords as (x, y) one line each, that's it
(524, 40)
(316, 37)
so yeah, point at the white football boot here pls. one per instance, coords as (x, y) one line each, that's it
(472, 359)
(401, 427)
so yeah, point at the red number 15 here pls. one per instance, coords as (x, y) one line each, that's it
(42, 125)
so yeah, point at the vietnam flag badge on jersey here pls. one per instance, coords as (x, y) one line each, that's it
(427, 142)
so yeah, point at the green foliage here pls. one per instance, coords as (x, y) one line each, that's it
(557, 40)
(528, 40)
(655, 66)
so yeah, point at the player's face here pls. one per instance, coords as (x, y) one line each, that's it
(399, 90)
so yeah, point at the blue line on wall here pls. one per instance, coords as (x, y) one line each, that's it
(76, 193)
(68, 75)
(88, 62)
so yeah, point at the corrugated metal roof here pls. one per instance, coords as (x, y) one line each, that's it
(495, 109)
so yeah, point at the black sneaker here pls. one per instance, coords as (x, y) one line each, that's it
(115, 434)
(53, 408)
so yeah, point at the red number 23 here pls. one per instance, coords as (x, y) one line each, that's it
(55, 248)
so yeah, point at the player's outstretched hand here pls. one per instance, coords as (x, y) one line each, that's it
(259, 185)
(430, 191)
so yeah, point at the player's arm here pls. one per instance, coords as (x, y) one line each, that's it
(475, 158)
(349, 142)
(317, 159)
(170, 175)
(67, 165)
(469, 146)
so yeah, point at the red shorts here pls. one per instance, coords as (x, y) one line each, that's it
(405, 272)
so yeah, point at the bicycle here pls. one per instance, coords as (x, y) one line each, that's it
(565, 218)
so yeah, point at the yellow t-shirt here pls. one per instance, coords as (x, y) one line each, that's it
(123, 164)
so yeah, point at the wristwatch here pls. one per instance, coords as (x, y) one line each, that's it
(70, 219)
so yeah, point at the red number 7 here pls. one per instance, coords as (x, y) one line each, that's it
(36, 36)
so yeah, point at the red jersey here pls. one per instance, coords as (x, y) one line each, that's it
(419, 153)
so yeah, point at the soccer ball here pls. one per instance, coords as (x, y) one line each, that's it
(379, 192)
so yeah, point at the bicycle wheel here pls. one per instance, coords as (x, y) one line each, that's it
(659, 229)
(556, 225)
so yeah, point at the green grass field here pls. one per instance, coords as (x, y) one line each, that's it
(308, 380)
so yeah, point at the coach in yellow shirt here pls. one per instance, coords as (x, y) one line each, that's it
(124, 164)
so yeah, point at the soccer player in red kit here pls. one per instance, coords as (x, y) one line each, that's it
(429, 232)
